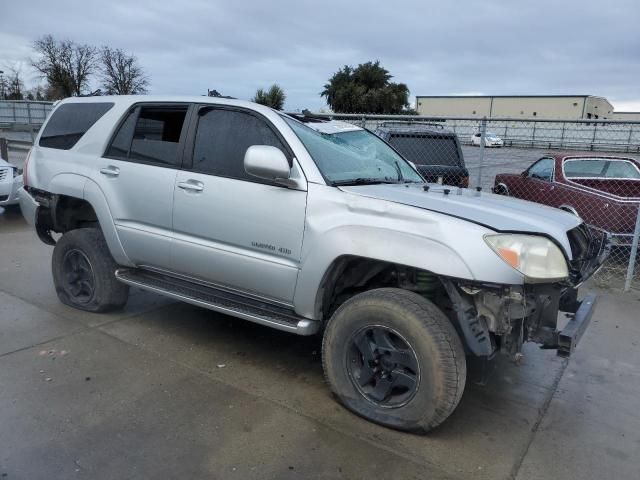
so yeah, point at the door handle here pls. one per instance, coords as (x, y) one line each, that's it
(110, 171)
(191, 185)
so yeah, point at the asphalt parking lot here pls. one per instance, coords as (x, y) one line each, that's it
(168, 390)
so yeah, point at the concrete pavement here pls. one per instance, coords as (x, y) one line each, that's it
(165, 389)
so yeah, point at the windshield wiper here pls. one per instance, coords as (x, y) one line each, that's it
(362, 181)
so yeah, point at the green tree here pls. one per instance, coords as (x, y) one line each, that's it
(365, 89)
(274, 97)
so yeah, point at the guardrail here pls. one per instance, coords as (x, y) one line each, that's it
(24, 112)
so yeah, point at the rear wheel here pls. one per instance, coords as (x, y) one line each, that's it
(84, 272)
(394, 358)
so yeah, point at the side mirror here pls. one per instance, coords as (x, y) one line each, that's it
(268, 163)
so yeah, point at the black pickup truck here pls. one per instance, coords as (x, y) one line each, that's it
(436, 152)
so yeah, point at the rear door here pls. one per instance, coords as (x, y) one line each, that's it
(137, 175)
(232, 229)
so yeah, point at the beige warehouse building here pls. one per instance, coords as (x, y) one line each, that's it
(563, 107)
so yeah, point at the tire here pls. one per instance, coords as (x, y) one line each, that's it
(84, 272)
(399, 319)
(501, 190)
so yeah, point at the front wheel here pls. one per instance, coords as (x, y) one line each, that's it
(392, 357)
(84, 272)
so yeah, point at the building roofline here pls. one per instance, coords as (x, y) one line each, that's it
(626, 113)
(508, 96)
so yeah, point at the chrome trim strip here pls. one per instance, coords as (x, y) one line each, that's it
(303, 327)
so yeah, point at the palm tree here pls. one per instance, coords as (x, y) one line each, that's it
(365, 89)
(274, 97)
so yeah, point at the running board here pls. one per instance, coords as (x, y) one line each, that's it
(256, 311)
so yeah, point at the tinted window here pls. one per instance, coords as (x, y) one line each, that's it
(157, 134)
(222, 139)
(542, 170)
(70, 122)
(427, 149)
(121, 143)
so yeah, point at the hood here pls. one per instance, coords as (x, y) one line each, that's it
(497, 212)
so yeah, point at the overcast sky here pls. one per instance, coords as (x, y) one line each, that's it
(436, 48)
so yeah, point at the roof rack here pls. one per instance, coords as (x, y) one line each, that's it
(307, 117)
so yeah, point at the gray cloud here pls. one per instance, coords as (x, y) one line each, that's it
(493, 47)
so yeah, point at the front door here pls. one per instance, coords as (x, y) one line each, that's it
(232, 229)
(537, 183)
(137, 175)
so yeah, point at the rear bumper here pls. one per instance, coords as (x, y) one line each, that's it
(571, 334)
(28, 206)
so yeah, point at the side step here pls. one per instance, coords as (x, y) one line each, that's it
(219, 300)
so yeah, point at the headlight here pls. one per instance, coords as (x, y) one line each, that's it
(536, 257)
(16, 172)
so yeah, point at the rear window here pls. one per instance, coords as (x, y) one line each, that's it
(427, 150)
(70, 122)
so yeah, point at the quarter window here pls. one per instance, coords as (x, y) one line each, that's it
(69, 122)
(223, 137)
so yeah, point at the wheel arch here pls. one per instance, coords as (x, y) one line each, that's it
(374, 248)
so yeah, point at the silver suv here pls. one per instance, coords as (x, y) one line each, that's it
(306, 227)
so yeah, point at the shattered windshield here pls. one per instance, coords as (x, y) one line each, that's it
(354, 157)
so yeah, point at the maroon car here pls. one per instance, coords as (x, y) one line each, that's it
(604, 191)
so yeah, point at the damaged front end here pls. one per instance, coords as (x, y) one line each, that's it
(500, 318)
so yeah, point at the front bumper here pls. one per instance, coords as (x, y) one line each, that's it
(9, 191)
(571, 334)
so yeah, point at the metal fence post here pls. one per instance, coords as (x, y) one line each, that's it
(29, 112)
(564, 126)
(4, 149)
(634, 252)
(483, 131)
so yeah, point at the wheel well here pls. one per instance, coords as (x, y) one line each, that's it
(503, 187)
(72, 213)
(350, 275)
(570, 209)
(62, 213)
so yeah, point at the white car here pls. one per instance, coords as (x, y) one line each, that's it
(10, 182)
(490, 140)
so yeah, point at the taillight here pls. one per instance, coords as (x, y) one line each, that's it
(25, 168)
(464, 182)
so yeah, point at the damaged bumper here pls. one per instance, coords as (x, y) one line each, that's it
(571, 334)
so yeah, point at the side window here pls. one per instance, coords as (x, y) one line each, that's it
(121, 143)
(222, 139)
(69, 122)
(150, 135)
(542, 169)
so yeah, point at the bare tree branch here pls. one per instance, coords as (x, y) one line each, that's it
(120, 73)
(65, 65)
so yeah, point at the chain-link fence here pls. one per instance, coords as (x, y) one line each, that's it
(589, 168)
(24, 112)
